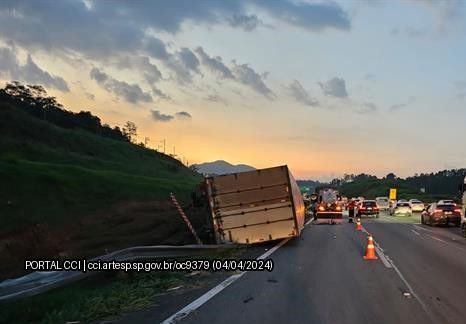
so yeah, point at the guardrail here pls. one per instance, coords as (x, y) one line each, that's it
(39, 282)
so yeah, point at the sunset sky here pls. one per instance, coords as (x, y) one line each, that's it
(325, 87)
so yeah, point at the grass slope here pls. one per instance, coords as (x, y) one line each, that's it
(50, 174)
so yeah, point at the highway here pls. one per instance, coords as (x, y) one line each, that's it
(321, 277)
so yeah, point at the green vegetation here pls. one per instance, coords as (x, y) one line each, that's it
(439, 185)
(105, 296)
(50, 173)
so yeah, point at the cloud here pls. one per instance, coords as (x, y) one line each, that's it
(335, 87)
(99, 28)
(310, 16)
(156, 48)
(149, 71)
(367, 107)
(183, 115)
(188, 59)
(184, 64)
(216, 98)
(397, 106)
(29, 72)
(214, 64)
(90, 96)
(247, 76)
(159, 117)
(130, 92)
(297, 91)
(246, 22)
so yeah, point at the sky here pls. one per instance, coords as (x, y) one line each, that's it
(325, 87)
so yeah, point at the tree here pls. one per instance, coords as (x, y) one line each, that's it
(390, 176)
(130, 131)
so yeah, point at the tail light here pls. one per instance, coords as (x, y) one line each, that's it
(457, 210)
(438, 210)
(362, 208)
(321, 208)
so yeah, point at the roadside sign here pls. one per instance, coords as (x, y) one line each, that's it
(392, 194)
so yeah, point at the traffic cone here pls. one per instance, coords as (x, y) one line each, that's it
(370, 250)
(358, 225)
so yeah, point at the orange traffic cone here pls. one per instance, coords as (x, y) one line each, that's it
(370, 250)
(358, 225)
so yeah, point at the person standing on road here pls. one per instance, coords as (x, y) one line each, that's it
(351, 206)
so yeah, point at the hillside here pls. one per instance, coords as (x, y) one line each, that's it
(70, 191)
(222, 167)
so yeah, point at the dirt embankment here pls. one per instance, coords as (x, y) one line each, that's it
(126, 224)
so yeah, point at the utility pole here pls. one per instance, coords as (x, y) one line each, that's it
(146, 141)
(163, 142)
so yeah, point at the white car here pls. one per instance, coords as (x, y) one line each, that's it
(416, 205)
(446, 202)
(383, 202)
(402, 208)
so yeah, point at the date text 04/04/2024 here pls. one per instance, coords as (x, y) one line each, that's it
(154, 265)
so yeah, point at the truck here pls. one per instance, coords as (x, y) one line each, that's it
(255, 206)
(328, 211)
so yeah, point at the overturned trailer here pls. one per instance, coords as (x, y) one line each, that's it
(255, 206)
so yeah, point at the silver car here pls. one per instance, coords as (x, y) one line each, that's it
(402, 209)
(383, 203)
(416, 205)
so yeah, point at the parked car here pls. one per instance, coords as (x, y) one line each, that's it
(416, 205)
(401, 208)
(441, 214)
(383, 202)
(368, 208)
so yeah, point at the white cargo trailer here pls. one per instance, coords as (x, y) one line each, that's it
(255, 206)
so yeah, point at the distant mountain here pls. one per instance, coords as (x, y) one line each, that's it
(222, 167)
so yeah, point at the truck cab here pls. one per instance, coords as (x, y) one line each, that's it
(329, 211)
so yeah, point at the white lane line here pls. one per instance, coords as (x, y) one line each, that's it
(415, 232)
(379, 251)
(398, 272)
(308, 222)
(422, 228)
(391, 219)
(437, 239)
(411, 290)
(182, 313)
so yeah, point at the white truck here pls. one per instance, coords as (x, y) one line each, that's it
(255, 206)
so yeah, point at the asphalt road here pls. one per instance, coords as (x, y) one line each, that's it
(322, 278)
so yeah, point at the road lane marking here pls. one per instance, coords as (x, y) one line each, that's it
(423, 229)
(415, 232)
(308, 222)
(379, 251)
(391, 219)
(185, 311)
(437, 239)
(398, 272)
